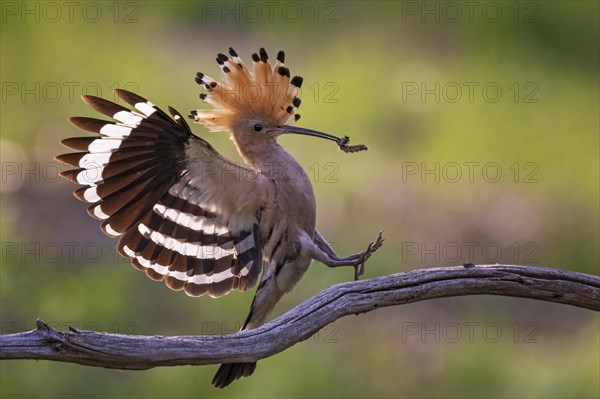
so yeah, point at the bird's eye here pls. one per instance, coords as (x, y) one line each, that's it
(257, 127)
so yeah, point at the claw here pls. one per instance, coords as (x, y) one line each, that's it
(359, 269)
(374, 246)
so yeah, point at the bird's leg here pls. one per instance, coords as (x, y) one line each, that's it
(324, 246)
(324, 253)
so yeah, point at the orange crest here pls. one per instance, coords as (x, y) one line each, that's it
(266, 92)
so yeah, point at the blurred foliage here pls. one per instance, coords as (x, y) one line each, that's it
(360, 60)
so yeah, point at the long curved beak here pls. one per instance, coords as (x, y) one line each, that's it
(287, 129)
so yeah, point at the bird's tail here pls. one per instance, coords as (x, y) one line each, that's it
(229, 372)
(263, 302)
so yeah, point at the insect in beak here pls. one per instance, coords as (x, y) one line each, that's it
(342, 142)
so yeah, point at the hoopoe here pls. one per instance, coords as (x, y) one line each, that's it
(186, 215)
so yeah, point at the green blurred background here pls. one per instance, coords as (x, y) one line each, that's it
(482, 125)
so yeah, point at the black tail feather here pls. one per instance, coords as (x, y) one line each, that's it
(229, 372)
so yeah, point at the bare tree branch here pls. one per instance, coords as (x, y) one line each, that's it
(144, 352)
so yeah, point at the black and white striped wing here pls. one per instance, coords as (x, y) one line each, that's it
(182, 212)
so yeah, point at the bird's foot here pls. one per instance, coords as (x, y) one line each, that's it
(359, 268)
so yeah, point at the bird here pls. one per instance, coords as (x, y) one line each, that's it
(186, 215)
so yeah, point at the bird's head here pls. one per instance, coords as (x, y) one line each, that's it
(255, 106)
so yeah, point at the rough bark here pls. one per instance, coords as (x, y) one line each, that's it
(144, 352)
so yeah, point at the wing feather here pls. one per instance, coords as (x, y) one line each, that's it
(160, 189)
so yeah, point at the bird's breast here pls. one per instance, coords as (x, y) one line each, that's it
(290, 210)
